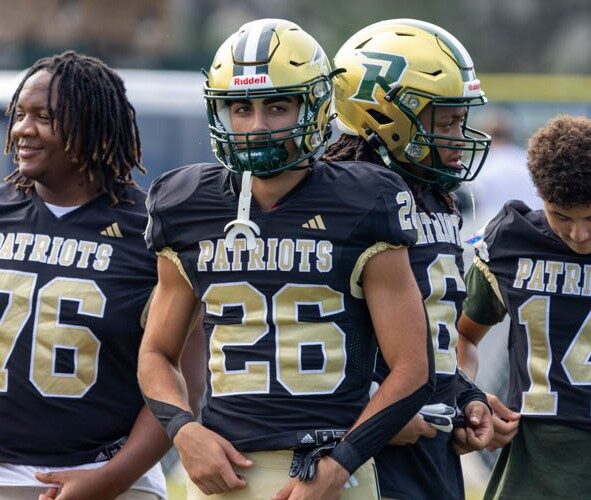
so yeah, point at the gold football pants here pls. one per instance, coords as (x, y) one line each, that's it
(270, 473)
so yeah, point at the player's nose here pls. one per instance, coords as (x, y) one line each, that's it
(24, 127)
(580, 231)
(259, 120)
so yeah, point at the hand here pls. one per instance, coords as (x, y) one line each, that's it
(412, 431)
(89, 484)
(479, 432)
(328, 484)
(505, 422)
(208, 459)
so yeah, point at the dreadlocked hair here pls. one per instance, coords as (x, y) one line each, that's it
(355, 148)
(95, 120)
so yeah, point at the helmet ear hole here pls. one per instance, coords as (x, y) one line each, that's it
(395, 137)
(381, 118)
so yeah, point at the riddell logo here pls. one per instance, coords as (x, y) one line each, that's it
(238, 81)
(472, 89)
(260, 81)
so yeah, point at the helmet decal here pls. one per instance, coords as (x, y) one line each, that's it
(390, 67)
(252, 81)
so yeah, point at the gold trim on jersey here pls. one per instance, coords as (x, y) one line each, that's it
(172, 256)
(355, 279)
(490, 277)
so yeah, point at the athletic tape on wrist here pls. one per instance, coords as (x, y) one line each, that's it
(176, 422)
(171, 417)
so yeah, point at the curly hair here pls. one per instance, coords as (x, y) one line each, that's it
(96, 121)
(355, 148)
(559, 160)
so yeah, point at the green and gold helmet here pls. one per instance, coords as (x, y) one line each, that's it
(394, 70)
(265, 59)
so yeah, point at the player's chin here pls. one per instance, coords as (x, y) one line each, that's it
(30, 169)
(580, 248)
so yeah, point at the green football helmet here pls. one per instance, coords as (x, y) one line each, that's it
(395, 69)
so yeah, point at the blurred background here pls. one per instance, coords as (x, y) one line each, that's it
(532, 56)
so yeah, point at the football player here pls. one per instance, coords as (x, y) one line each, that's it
(291, 287)
(403, 103)
(535, 266)
(75, 277)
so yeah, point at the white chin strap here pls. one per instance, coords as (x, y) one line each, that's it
(242, 225)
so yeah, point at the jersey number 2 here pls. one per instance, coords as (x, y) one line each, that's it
(291, 337)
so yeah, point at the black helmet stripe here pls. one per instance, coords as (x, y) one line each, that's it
(264, 44)
(238, 54)
(252, 47)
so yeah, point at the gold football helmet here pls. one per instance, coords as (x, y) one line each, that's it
(269, 58)
(394, 70)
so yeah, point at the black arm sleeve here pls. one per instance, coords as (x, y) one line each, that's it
(371, 436)
(171, 417)
(467, 391)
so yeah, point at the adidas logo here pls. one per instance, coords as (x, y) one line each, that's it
(113, 231)
(307, 439)
(315, 222)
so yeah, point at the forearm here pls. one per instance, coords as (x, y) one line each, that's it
(380, 421)
(146, 444)
(403, 381)
(161, 380)
(409, 384)
(193, 364)
(471, 333)
(467, 356)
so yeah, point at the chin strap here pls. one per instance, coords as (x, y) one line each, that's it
(378, 145)
(242, 225)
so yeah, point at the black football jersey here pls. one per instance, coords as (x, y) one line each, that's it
(72, 290)
(429, 468)
(291, 350)
(546, 290)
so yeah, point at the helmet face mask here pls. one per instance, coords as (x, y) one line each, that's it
(400, 76)
(269, 59)
(425, 148)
